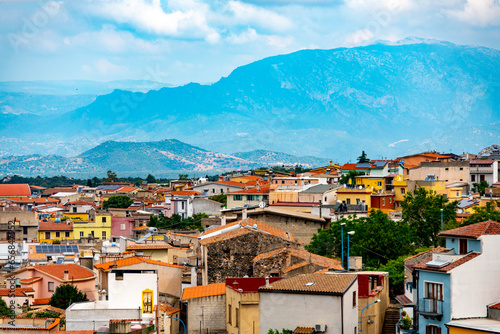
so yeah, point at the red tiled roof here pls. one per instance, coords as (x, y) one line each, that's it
(453, 265)
(348, 167)
(481, 162)
(131, 261)
(127, 189)
(140, 228)
(262, 190)
(335, 284)
(244, 225)
(15, 190)
(75, 271)
(231, 183)
(45, 200)
(184, 193)
(19, 292)
(204, 291)
(53, 226)
(30, 280)
(488, 227)
(403, 300)
(78, 203)
(41, 301)
(496, 306)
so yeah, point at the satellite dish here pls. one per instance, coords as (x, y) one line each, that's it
(262, 205)
(96, 257)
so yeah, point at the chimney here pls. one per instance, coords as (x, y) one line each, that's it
(244, 214)
(194, 277)
(258, 185)
(223, 220)
(267, 281)
(66, 275)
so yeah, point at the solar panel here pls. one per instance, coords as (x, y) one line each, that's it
(380, 163)
(38, 249)
(57, 248)
(60, 261)
(44, 249)
(74, 248)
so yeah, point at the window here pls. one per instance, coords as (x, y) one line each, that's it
(355, 330)
(213, 191)
(481, 177)
(354, 299)
(357, 201)
(81, 234)
(446, 168)
(147, 301)
(66, 234)
(92, 232)
(182, 205)
(103, 235)
(74, 209)
(47, 235)
(463, 246)
(119, 276)
(11, 235)
(379, 184)
(25, 229)
(122, 227)
(103, 219)
(265, 197)
(432, 329)
(237, 197)
(229, 314)
(473, 178)
(237, 316)
(58, 234)
(283, 182)
(250, 197)
(348, 201)
(402, 191)
(383, 201)
(457, 193)
(433, 294)
(51, 286)
(461, 168)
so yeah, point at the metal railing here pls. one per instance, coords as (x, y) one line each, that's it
(431, 306)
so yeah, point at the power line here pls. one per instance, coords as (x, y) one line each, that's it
(370, 250)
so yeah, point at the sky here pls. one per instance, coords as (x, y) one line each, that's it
(184, 41)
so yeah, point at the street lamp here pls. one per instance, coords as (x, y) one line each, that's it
(342, 237)
(348, 234)
(441, 219)
(361, 317)
(183, 324)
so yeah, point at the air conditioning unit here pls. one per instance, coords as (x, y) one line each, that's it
(320, 327)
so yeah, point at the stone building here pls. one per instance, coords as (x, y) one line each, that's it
(286, 262)
(206, 308)
(25, 227)
(228, 250)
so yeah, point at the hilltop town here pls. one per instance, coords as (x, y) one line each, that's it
(408, 245)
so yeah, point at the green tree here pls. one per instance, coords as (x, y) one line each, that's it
(377, 238)
(221, 198)
(5, 311)
(344, 178)
(480, 187)
(150, 179)
(491, 211)
(422, 212)
(176, 222)
(111, 176)
(183, 177)
(89, 183)
(363, 158)
(65, 295)
(117, 202)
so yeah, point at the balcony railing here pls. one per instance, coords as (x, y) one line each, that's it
(431, 307)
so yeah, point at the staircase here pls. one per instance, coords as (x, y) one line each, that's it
(391, 319)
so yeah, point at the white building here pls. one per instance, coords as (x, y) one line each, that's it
(315, 302)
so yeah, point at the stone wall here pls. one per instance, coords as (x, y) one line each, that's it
(233, 257)
(209, 313)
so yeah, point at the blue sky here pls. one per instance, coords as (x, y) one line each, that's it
(184, 41)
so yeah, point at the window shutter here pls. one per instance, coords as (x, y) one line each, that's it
(427, 329)
(438, 330)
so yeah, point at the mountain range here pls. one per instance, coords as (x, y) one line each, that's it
(388, 99)
(166, 158)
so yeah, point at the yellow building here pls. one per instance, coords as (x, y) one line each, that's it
(99, 228)
(400, 190)
(50, 231)
(242, 304)
(376, 183)
(74, 216)
(355, 196)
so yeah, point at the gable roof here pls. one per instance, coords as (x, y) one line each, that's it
(18, 292)
(53, 226)
(75, 271)
(302, 254)
(204, 291)
(488, 227)
(330, 284)
(184, 193)
(15, 190)
(131, 261)
(242, 227)
(453, 265)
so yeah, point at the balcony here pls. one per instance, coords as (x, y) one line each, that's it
(431, 308)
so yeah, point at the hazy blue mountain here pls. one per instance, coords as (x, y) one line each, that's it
(269, 158)
(166, 158)
(387, 99)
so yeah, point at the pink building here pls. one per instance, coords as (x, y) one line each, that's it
(44, 279)
(122, 226)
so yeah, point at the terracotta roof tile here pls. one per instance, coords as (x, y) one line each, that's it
(75, 271)
(149, 245)
(335, 284)
(496, 306)
(204, 291)
(24, 200)
(453, 265)
(131, 261)
(304, 330)
(349, 167)
(19, 292)
(403, 300)
(262, 190)
(30, 280)
(224, 236)
(308, 257)
(184, 193)
(15, 190)
(295, 266)
(41, 301)
(78, 203)
(231, 183)
(53, 226)
(488, 227)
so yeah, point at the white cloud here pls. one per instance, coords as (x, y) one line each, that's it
(252, 15)
(105, 67)
(250, 35)
(183, 19)
(478, 12)
(358, 37)
(397, 142)
(279, 42)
